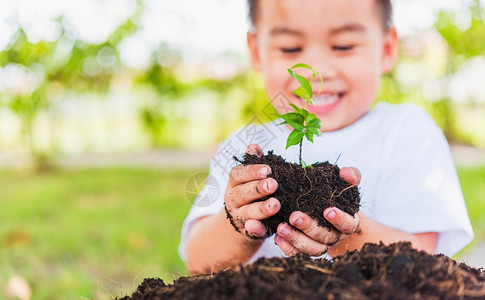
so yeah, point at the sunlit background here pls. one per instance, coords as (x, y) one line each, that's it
(107, 108)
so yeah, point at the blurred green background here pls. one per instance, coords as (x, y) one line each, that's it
(108, 108)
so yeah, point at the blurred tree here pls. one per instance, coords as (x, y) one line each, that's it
(65, 64)
(69, 65)
(463, 44)
(26, 99)
(166, 76)
(161, 76)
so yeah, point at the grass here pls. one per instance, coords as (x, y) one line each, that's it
(91, 234)
(472, 180)
(96, 233)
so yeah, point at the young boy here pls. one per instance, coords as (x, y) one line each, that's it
(409, 188)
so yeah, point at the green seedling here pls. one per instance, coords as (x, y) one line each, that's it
(304, 123)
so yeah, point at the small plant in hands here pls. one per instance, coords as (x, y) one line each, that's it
(301, 187)
(304, 123)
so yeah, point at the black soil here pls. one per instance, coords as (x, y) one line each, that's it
(396, 271)
(310, 190)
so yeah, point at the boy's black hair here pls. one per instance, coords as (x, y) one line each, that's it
(384, 5)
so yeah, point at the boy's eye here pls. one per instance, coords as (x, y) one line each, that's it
(343, 48)
(290, 50)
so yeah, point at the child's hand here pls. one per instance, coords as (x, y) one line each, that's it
(246, 184)
(313, 239)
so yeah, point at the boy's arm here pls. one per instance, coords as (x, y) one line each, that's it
(213, 243)
(374, 232)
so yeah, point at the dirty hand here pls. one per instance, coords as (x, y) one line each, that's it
(246, 184)
(312, 239)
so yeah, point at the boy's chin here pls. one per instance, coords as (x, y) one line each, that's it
(337, 122)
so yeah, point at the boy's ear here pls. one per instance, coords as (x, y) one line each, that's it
(253, 51)
(390, 50)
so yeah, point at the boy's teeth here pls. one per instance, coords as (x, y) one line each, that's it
(325, 99)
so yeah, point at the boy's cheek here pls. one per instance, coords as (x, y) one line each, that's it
(276, 80)
(362, 72)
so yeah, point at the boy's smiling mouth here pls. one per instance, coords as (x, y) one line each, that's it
(324, 103)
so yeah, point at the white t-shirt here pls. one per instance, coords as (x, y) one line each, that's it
(409, 180)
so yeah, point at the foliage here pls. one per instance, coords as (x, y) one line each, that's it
(462, 46)
(172, 89)
(304, 123)
(81, 68)
(67, 66)
(461, 42)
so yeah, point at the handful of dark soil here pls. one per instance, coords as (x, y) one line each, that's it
(393, 272)
(310, 190)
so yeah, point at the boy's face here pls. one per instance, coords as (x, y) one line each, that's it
(345, 39)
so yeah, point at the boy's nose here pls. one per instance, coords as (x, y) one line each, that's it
(323, 64)
(325, 67)
(327, 70)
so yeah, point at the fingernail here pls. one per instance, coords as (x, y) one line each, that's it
(298, 222)
(273, 205)
(277, 239)
(266, 185)
(331, 214)
(354, 175)
(285, 231)
(264, 171)
(269, 206)
(269, 185)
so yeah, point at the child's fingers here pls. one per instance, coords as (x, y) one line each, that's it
(300, 241)
(310, 227)
(242, 174)
(248, 192)
(255, 228)
(254, 149)
(344, 222)
(286, 246)
(260, 210)
(351, 175)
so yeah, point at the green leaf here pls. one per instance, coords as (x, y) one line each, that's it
(311, 116)
(314, 130)
(304, 113)
(316, 123)
(302, 93)
(309, 136)
(303, 82)
(295, 120)
(301, 111)
(294, 138)
(301, 65)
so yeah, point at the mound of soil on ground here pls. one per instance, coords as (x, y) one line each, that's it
(396, 271)
(310, 190)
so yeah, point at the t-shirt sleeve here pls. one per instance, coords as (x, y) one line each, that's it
(418, 190)
(210, 199)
